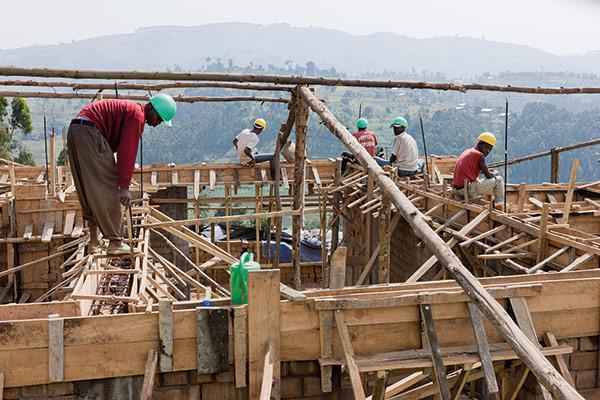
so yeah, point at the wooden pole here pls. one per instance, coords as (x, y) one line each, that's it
(179, 98)
(384, 240)
(553, 165)
(569, 198)
(276, 79)
(52, 163)
(525, 349)
(298, 201)
(278, 219)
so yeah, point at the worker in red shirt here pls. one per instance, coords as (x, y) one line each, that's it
(471, 164)
(366, 138)
(99, 130)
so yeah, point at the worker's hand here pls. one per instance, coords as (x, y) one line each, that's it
(252, 162)
(494, 172)
(124, 196)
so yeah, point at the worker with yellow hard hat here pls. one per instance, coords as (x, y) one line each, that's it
(245, 143)
(471, 164)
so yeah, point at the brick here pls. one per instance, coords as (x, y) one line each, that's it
(285, 368)
(194, 392)
(582, 361)
(585, 379)
(312, 386)
(11, 394)
(171, 393)
(195, 378)
(589, 343)
(592, 394)
(574, 343)
(34, 391)
(291, 387)
(174, 379)
(225, 391)
(61, 388)
(303, 367)
(226, 377)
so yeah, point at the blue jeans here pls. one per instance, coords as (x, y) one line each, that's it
(270, 158)
(419, 170)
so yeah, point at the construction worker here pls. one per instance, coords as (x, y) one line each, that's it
(245, 143)
(405, 155)
(366, 138)
(471, 164)
(99, 130)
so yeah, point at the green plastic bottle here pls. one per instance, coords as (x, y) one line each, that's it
(239, 278)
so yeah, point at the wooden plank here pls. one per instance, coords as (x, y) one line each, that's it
(545, 261)
(69, 221)
(290, 293)
(165, 335)
(579, 261)
(482, 236)
(506, 242)
(468, 228)
(78, 229)
(381, 381)
(212, 179)
(284, 177)
(28, 232)
(525, 322)
(240, 347)
(357, 388)
(517, 383)
(174, 177)
(263, 327)
(267, 379)
(212, 338)
(153, 178)
(436, 355)
(569, 196)
(482, 346)
(326, 339)
(338, 268)
(541, 254)
(55, 348)
(47, 232)
(196, 183)
(316, 175)
(462, 380)
(149, 375)
(263, 176)
(404, 383)
(550, 340)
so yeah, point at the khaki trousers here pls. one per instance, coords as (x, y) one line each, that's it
(95, 175)
(484, 186)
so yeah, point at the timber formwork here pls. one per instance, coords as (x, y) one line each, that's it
(377, 316)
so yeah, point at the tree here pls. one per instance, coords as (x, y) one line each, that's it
(62, 157)
(19, 121)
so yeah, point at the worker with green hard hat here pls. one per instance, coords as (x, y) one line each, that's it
(471, 164)
(405, 154)
(100, 130)
(365, 137)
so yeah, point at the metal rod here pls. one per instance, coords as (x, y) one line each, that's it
(46, 151)
(505, 152)
(424, 147)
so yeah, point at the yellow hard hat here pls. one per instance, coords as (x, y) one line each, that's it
(260, 123)
(487, 137)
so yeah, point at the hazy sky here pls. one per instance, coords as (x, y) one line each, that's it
(556, 26)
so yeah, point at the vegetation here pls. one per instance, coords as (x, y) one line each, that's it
(19, 121)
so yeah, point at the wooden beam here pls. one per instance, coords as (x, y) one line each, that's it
(56, 348)
(338, 268)
(436, 355)
(462, 380)
(569, 195)
(550, 340)
(357, 388)
(326, 339)
(299, 183)
(263, 327)
(267, 379)
(384, 241)
(543, 242)
(381, 381)
(482, 346)
(579, 261)
(165, 334)
(149, 375)
(531, 355)
(545, 261)
(240, 348)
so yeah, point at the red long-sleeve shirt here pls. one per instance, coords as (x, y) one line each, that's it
(122, 124)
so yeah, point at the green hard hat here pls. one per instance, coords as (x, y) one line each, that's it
(362, 123)
(399, 121)
(165, 107)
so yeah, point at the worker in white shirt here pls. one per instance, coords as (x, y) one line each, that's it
(405, 155)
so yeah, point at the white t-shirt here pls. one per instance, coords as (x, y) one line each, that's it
(406, 152)
(246, 138)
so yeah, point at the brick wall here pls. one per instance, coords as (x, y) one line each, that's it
(405, 254)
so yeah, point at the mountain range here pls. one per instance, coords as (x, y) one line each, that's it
(188, 48)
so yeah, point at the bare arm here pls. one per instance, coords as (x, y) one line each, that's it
(484, 169)
(248, 152)
(235, 142)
